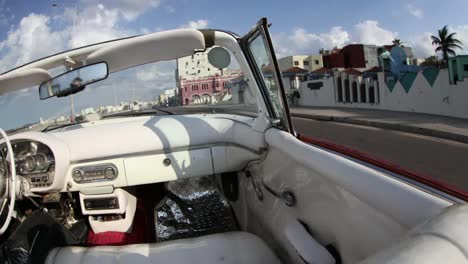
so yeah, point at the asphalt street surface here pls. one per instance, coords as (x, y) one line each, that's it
(440, 159)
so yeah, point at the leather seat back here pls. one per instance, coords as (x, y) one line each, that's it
(226, 248)
(443, 239)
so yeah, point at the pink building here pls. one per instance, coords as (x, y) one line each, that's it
(202, 90)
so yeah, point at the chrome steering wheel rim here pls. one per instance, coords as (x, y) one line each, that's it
(10, 184)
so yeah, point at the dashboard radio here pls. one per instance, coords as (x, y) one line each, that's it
(39, 180)
(101, 203)
(95, 173)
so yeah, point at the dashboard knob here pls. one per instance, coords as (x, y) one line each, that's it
(110, 173)
(78, 175)
(167, 162)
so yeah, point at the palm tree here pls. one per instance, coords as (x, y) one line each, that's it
(397, 42)
(446, 43)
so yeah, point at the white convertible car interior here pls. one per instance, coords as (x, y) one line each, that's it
(219, 183)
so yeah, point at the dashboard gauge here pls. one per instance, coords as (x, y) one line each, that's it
(30, 163)
(42, 162)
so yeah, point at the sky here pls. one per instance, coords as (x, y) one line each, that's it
(33, 29)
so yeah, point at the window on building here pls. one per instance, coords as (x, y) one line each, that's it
(296, 63)
(198, 71)
(292, 82)
(208, 69)
(186, 64)
(465, 67)
(186, 72)
(185, 88)
(316, 62)
(306, 63)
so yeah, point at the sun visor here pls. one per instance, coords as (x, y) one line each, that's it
(22, 79)
(149, 48)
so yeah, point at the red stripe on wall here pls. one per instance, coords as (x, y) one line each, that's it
(436, 184)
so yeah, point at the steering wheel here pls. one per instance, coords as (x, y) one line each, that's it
(7, 182)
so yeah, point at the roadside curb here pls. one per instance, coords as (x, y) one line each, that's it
(399, 127)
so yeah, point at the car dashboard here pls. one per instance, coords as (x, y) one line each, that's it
(34, 162)
(117, 153)
(95, 167)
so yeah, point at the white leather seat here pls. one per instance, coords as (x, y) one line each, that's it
(226, 248)
(443, 239)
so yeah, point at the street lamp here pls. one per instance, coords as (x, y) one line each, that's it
(72, 103)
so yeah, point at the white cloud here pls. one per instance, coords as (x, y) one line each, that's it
(415, 11)
(32, 39)
(422, 45)
(369, 32)
(462, 35)
(163, 70)
(129, 9)
(197, 24)
(303, 42)
(97, 24)
(335, 37)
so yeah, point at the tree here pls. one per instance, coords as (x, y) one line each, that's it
(397, 42)
(446, 43)
(432, 61)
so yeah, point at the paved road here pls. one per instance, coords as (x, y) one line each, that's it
(441, 159)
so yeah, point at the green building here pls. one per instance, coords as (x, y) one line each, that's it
(458, 68)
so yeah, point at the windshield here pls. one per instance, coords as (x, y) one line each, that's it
(186, 85)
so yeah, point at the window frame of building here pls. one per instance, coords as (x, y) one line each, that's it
(465, 67)
(296, 63)
(292, 82)
(317, 62)
(306, 63)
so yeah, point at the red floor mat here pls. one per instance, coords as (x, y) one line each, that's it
(139, 233)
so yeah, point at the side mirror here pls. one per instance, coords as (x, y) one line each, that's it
(73, 81)
(219, 57)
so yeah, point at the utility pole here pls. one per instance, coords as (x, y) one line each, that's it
(72, 103)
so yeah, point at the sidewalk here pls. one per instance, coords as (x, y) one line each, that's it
(424, 124)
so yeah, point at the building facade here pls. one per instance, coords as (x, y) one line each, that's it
(170, 97)
(458, 68)
(306, 62)
(357, 56)
(206, 90)
(196, 66)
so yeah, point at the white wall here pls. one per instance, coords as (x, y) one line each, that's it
(325, 96)
(439, 99)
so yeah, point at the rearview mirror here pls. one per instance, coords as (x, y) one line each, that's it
(73, 81)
